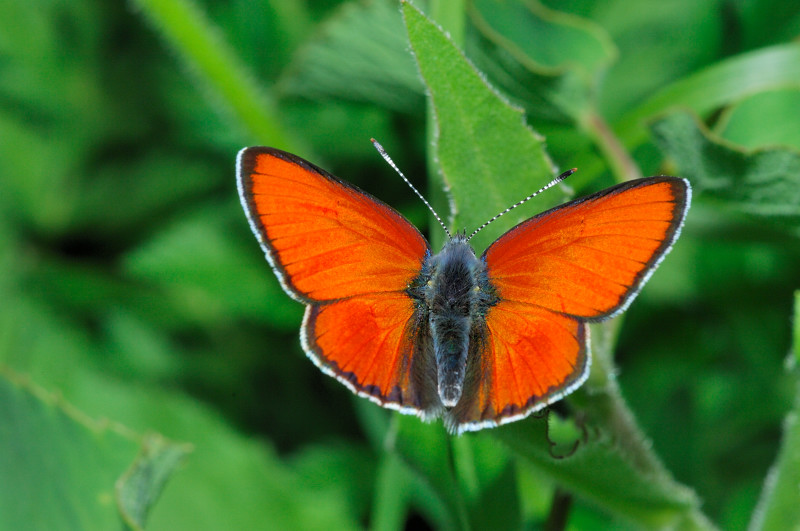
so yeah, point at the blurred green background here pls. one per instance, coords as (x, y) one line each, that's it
(131, 288)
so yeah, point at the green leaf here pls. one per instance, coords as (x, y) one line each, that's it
(715, 86)
(552, 75)
(392, 493)
(651, 53)
(142, 484)
(763, 183)
(778, 508)
(487, 477)
(339, 472)
(425, 448)
(600, 472)
(766, 118)
(153, 184)
(51, 79)
(184, 260)
(766, 22)
(360, 55)
(488, 157)
(59, 467)
(230, 481)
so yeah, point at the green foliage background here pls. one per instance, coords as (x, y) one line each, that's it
(150, 370)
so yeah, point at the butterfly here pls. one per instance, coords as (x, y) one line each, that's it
(477, 340)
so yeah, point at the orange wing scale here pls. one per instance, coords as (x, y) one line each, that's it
(368, 343)
(325, 239)
(588, 258)
(532, 357)
(540, 350)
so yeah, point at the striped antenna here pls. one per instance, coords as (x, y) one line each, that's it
(393, 165)
(512, 207)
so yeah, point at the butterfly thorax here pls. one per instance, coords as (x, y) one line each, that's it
(453, 293)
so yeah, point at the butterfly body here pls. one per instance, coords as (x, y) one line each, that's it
(477, 340)
(452, 294)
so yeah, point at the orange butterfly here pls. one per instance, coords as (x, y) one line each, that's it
(479, 341)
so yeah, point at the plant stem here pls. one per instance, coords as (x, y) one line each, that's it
(559, 511)
(622, 164)
(184, 26)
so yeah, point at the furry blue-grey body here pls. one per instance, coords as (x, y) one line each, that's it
(452, 295)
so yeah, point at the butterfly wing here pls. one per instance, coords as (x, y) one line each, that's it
(582, 261)
(325, 238)
(349, 258)
(374, 345)
(521, 353)
(588, 258)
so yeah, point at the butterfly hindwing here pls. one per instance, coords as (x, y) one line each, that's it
(369, 343)
(530, 357)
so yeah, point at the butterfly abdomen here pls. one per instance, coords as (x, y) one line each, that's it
(452, 292)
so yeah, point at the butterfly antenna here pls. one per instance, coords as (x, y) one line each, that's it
(393, 165)
(512, 207)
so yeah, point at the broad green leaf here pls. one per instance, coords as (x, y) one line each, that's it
(548, 41)
(488, 157)
(778, 508)
(230, 481)
(360, 55)
(722, 83)
(601, 472)
(549, 62)
(59, 468)
(764, 119)
(763, 183)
